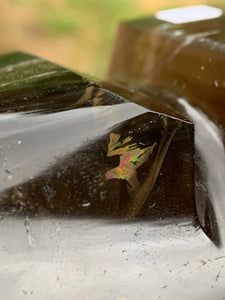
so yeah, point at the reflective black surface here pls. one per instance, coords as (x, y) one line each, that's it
(59, 153)
(187, 59)
(70, 146)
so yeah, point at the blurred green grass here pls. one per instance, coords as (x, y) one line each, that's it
(76, 33)
(76, 15)
(57, 20)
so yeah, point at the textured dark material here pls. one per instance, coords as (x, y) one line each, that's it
(70, 145)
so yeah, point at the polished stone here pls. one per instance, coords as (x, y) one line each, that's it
(187, 58)
(72, 146)
(182, 66)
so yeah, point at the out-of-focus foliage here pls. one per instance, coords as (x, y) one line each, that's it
(77, 15)
(76, 33)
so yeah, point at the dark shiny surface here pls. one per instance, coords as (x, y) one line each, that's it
(71, 146)
(187, 59)
(46, 142)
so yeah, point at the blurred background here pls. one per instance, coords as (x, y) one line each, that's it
(78, 34)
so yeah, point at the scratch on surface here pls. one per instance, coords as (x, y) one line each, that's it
(219, 257)
(189, 39)
(165, 286)
(203, 263)
(218, 275)
(22, 63)
(28, 78)
(29, 237)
